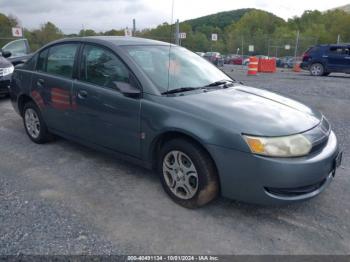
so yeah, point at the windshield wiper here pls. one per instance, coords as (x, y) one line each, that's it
(180, 90)
(221, 82)
(224, 83)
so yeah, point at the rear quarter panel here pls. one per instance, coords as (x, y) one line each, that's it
(20, 85)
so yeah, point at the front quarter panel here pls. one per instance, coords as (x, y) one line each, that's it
(162, 114)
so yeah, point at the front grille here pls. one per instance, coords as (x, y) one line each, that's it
(298, 191)
(4, 84)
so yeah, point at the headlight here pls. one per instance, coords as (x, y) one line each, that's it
(7, 71)
(289, 146)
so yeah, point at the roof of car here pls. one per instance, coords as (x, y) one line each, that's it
(332, 45)
(117, 40)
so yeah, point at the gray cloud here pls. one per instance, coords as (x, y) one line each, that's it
(102, 15)
(70, 16)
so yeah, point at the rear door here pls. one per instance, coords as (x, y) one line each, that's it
(102, 114)
(52, 85)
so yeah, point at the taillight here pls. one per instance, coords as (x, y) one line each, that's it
(306, 57)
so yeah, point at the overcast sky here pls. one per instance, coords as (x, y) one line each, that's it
(102, 15)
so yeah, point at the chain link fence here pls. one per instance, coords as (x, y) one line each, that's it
(265, 45)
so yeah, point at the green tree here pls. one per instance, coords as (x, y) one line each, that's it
(6, 24)
(47, 33)
(87, 32)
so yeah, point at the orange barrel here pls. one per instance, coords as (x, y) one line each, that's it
(296, 67)
(253, 66)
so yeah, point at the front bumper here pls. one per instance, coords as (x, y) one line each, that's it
(272, 181)
(5, 82)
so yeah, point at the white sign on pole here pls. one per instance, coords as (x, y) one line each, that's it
(128, 32)
(183, 35)
(17, 32)
(214, 37)
(251, 48)
(287, 47)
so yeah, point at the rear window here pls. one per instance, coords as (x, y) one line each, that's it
(60, 60)
(313, 49)
(41, 64)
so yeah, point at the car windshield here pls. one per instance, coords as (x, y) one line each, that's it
(175, 67)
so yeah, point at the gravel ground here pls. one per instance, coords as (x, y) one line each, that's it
(63, 198)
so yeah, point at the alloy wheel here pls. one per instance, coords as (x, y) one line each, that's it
(180, 174)
(32, 123)
(317, 70)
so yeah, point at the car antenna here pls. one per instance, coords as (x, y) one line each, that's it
(170, 38)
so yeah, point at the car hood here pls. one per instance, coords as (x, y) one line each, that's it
(4, 62)
(252, 111)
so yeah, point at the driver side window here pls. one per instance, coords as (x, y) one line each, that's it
(101, 67)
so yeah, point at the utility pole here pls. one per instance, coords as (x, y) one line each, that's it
(242, 46)
(177, 33)
(296, 45)
(134, 27)
(338, 40)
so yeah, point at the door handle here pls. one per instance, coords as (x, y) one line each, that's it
(347, 57)
(40, 83)
(82, 94)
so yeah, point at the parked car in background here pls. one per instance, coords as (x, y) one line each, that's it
(321, 60)
(19, 50)
(200, 54)
(215, 58)
(6, 70)
(285, 62)
(13, 53)
(246, 61)
(203, 133)
(236, 60)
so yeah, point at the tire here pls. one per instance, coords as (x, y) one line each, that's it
(195, 187)
(317, 69)
(34, 124)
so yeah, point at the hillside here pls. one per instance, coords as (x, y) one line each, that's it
(222, 19)
(345, 8)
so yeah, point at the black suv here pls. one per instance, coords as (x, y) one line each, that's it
(321, 60)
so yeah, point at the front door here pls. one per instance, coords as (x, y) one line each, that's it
(102, 114)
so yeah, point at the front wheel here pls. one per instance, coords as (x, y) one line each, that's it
(187, 173)
(317, 69)
(34, 124)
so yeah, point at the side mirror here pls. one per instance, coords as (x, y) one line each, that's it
(6, 54)
(127, 89)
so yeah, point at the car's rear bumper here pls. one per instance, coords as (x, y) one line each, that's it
(305, 65)
(272, 181)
